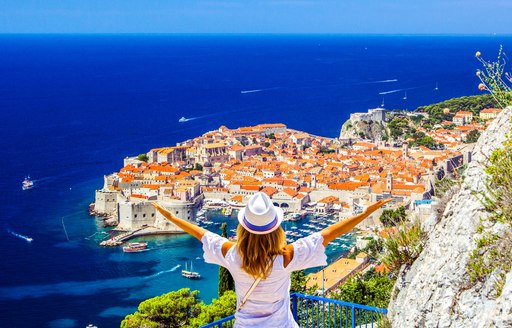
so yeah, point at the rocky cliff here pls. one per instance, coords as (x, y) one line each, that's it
(363, 130)
(436, 290)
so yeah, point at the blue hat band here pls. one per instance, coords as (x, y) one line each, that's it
(261, 228)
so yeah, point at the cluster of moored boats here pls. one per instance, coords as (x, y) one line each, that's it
(314, 225)
(295, 231)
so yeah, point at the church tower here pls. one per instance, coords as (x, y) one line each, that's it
(389, 181)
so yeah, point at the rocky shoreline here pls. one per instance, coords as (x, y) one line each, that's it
(109, 219)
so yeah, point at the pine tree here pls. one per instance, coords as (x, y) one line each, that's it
(226, 281)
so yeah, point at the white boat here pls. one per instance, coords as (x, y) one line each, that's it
(28, 239)
(135, 247)
(190, 274)
(405, 97)
(297, 216)
(437, 86)
(183, 119)
(27, 184)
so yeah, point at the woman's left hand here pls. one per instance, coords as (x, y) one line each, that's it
(375, 206)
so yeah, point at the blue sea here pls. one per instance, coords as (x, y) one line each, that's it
(73, 106)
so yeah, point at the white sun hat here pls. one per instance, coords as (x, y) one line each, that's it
(260, 216)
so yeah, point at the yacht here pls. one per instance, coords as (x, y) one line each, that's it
(183, 119)
(27, 184)
(190, 274)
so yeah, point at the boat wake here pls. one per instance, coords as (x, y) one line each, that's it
(98, 232)
(251, 91)
(42, 179)
(386, 81)
(392, 91)
(184, 119)
(257, 90)
(162, 272)
(28, 239)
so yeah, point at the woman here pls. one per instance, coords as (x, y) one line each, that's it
(261, 262)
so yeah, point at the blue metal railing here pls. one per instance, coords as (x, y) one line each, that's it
(314, 311)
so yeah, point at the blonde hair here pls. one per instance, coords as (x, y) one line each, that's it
(257, 250)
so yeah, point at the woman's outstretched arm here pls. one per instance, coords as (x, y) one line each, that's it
(334, 231)
(188, 227)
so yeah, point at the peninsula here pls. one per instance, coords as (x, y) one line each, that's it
(299, 171)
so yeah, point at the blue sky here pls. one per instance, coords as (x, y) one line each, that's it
(257, 16)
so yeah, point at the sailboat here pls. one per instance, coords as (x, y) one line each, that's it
(437, 87)
(190, 274)
(405, 97)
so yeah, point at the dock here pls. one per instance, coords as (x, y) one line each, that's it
(146, 231)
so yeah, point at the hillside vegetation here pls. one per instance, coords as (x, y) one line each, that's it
(445, 110)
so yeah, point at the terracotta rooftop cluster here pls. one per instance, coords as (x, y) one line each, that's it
(292, 161)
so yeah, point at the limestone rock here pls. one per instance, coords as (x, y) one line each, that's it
(436, 290)
(363, 130)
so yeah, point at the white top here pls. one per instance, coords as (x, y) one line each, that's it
(269, 303)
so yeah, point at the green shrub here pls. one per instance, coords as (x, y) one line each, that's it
(143, 157)
(404, 247)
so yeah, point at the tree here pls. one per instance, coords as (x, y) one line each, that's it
(143, 157)
(426, 141)
(472, 137)
(449, 126)
(391, 218)
(474, 104)
(271, 135)
(374, 248)
(226, 281)
(173, 309)
(372, 289)
(218, 309)
(198, 167)
(298, 282)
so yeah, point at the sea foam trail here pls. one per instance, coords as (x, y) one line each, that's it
(391, 91)
(42, 179)
(251, 91)
(94, 234)
(210, 115)
(28, 239)
(258, 90)
(162, 272)
(386, 81)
